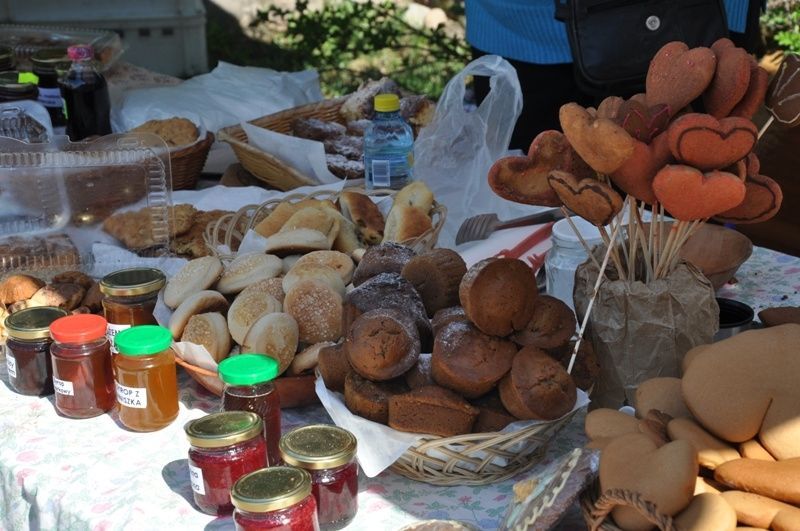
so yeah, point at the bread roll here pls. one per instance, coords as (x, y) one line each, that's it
(209, 330)
(197, 275)
(318, 219)
(246, 269)
(246, 309)
(365, 215)
(415, 194)
(201, 302)
(297, 241)
(307, 359)
(338, 261)
(317, 309)
(273, 334)
(405, 223)
(309, 271)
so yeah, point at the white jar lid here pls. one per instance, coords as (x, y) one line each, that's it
(563, 235)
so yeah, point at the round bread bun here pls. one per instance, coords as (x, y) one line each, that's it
(273, 334)
(246, 309)
(297, 241)
(311, 271)
(246, 269)
(201, 302)
(270, 286)
(292, 259)
(211, 331)
(317, 309)
(308, 358)
(196, 275)
(339, 262)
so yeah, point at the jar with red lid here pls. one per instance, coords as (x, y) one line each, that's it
(248, 387)
(82, 373)
(30, 370)
(328, 453)
(277, 498)
(224, 447)
(146, 378)
(129, 298)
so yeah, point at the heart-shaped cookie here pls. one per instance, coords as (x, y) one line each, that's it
(707, 511)
(523, 180)
(753, 164)
(604, 145)
(756, 92)
(702, 141)
(594, 201)
(643, 123)
(746, 385)
(664, 476)
(609, 107)
(762, 200)
(781, 98)
(552, 145)
(635, 176)
(731, 79)
(688, 194)
(780, 480)
(678, 75)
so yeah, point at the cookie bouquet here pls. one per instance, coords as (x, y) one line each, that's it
(648, 172)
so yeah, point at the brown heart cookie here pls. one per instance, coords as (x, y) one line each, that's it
(678, 75)
(707, 511)
(604, 145)
(762, 200)
(731, 79)
(552, 145)
(594, 201)
(688, 194)
(702, 141)
(781, 99)
(523, 180)
(635, 176)
(756, 92)
(609, 107)
(642, 122)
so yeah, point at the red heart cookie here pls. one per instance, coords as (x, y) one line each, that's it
(762, 200)
(739, 169)
(753, 164)
(678, 75)
(600, 142)
(592, 200)
(756, 92)
(731, 79)
(642, 122)
(702, 141)
(688, 194)
(635, 176)
(523, 180)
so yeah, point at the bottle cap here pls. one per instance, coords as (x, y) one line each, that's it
(271, 489)
(80, 52)
(33, 323)
(248, 369)
(133, 282)
(79, 328)
(387, 103)
(143, 340)
(223, 429)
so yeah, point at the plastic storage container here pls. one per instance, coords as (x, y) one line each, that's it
(277, 498)
(25, 120)
(388, 146)
(54, 198)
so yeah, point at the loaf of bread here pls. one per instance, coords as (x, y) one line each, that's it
(370, 399)
(364, 213)
(431, 410)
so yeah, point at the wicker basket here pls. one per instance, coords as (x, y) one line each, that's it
(267, 167)
(229, 230)
(187, 163)
(596, 509)
(468, 459)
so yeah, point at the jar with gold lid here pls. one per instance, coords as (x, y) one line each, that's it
(129, 298)
(30, 369)
(328, 453)
(276, 498)
(224, 447)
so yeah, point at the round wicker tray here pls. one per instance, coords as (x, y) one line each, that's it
(596, 508)
(229, 230)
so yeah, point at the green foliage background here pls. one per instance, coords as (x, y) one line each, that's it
(781, 25)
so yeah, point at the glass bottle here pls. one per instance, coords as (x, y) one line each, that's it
(129, 299)
(388, 146)
(277, 498)
(146, 378)
(248, 387)
(82, 375)
(30, 370)
(224, 447)
(47, 63)
(85, 92)
(328, 453)
(566, 255)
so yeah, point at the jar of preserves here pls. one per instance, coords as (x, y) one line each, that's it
(248, 387)
(13, 89)
(328, 453)
(6, 58)
(276, 498)
(225, 446)
(30, 371)
(146, 378)
(129, 298)
(82, 377)
(47, 63)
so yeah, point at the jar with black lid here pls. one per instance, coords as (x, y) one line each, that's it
(12, 90)
(48, 64)
(30, 369)
(6, 58)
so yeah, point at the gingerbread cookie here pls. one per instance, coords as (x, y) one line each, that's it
(688, 194)
(643, 123)
(762, 200)
(702, 141)
(756, 92)
(678, 75)
(781, 98)
(593, 200)
(604, 145)
(635, 176)
(731, 79)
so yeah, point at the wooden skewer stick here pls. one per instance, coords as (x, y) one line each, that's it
(646, 247)
(633, 241)
(614, 252)
(765, 127)
(651, 239)
(578, 234)
(688, 234)
(668, 246)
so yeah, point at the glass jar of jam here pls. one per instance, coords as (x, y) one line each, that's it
(47, 63)
(328, 453)
(12, 89)
(129, 298)
(30, 371)
(82, 376)
(277, 498)
(225, 446)
(146, 378)
(248, 387)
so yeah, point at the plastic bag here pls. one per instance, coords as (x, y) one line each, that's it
(454, 153)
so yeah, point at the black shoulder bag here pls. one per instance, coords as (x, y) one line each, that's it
(612, 41)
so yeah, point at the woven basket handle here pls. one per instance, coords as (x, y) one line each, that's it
(622, 497)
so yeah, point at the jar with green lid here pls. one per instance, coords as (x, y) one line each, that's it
(328, 453)
(224, 447)
(146, 379)
(6, 58)
(248, 387)
(12, 89)
(48, 64)
(30, 369)
(129, 298)
(276, 498)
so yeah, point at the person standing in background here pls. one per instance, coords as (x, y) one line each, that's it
(527, 34)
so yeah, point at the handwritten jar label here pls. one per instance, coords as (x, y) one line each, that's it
(111, 331)
(131, 396)
(11, 365)
(63, 387)
(196, 477)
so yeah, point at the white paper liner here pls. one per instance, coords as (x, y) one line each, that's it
(379, 446)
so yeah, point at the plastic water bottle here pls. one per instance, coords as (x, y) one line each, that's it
(85, 93)
(388, 146)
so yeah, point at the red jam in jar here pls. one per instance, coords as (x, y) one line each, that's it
(328, 453)
(277, 498)
(82, 372)
(225, 447)
(30, 370)
(248, 387)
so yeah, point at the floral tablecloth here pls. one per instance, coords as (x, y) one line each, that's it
(92, 474)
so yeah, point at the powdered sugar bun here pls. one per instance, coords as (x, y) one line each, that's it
(318, 311)
(276, 335)
(246, 269)
(201, 302)
(196, 275)
(246, 309)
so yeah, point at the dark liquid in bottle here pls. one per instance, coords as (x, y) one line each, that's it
(87, 103)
